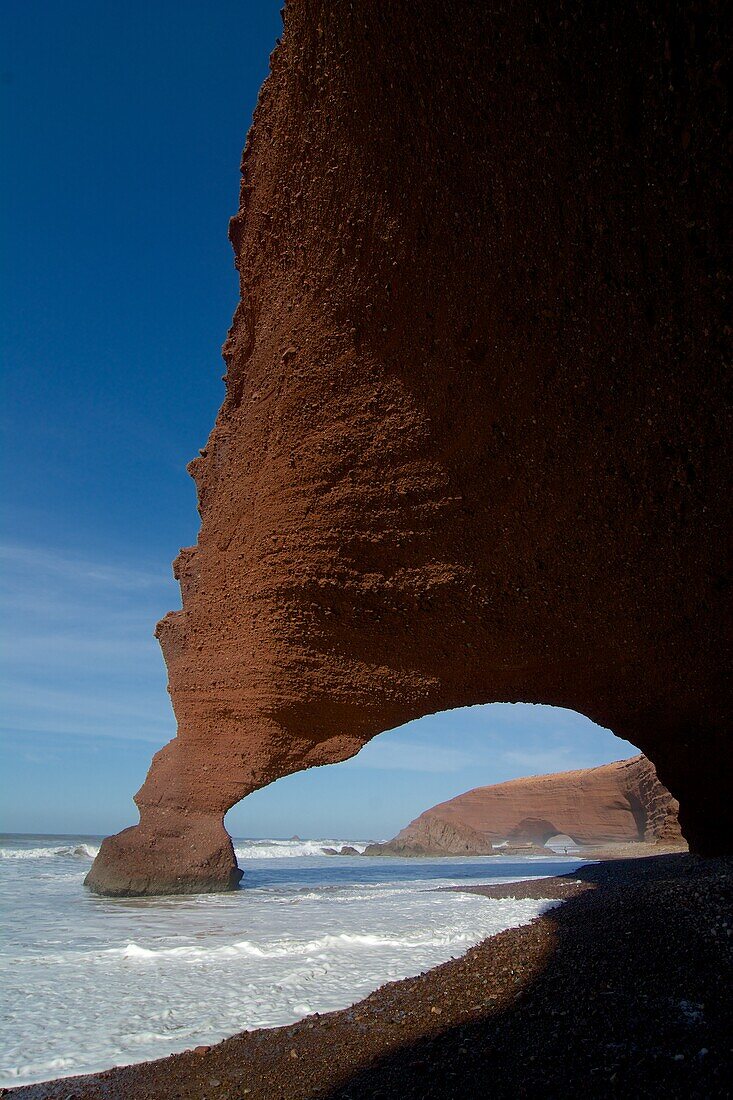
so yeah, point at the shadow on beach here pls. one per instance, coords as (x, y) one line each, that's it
(633, 995)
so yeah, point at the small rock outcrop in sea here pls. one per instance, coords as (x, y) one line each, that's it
(435, 835)
(615, 803)
(473, 444)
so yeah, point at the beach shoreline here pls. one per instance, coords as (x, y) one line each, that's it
(626, 988)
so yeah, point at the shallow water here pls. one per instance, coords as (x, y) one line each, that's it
(92, 982)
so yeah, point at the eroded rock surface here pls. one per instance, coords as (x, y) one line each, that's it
(435, 834)
(472, 445)
(615, 803)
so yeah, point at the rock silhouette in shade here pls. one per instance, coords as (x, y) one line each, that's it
(472, 444)
(621, 802)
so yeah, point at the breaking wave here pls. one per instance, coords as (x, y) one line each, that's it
(66, 851)
(245, 849)
(284, 849)
(341, 941)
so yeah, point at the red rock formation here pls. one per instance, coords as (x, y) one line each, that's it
(433, 834)
(614, 803)
(472, 443)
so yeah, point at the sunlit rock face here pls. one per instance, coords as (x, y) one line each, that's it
(471, 447)
(619, 803)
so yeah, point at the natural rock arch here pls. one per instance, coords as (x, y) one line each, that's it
(618, 803)
(535, 831)
(472, 442)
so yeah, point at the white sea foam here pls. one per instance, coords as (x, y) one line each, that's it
(67, 851)
(290, 849)
(245, 849)
(292, 948)
(92, 982)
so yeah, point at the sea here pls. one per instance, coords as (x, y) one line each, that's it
(88, 983)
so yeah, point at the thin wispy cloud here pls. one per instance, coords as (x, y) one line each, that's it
(541, 761)
(80, 571)
(412, 756)
(90, 729)
(79, 655)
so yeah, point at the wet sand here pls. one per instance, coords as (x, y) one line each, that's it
(624, 990)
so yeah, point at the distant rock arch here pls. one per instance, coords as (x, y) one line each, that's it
(472, 447)
(533, 830)
(622, 802)
(561, 842)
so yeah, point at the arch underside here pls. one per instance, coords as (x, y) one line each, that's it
(472, 444)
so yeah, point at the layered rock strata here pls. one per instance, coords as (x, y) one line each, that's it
(623, 802)
(472, 444)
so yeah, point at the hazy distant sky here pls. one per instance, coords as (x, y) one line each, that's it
(123, 125)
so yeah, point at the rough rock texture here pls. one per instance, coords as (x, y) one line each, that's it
(435, 834)
(473, 445)
(614, 803)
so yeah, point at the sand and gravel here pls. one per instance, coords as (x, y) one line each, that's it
(624, 990)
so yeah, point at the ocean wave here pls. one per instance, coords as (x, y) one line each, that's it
(274, 950)
(341, 941)
(58, 1066)
(67, 851)
(287, 849)
(253, 849)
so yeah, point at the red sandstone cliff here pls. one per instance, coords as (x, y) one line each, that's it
(473, 445)
(614, 803)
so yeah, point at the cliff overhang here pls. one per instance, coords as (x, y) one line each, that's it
(473, 444)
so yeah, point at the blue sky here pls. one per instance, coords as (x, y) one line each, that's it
(123, 125)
